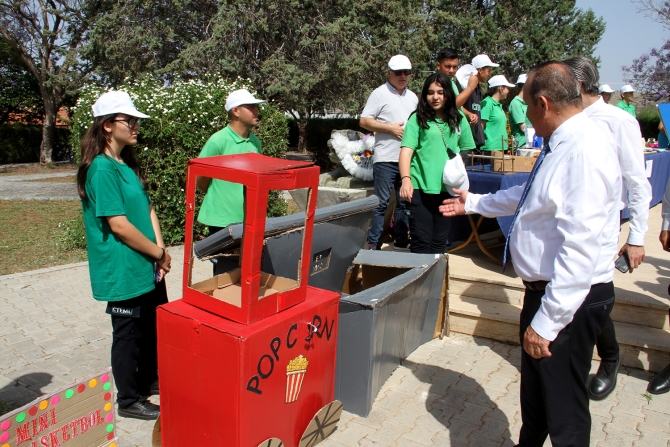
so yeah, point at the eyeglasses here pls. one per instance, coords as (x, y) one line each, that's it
(402, 72)
(130, 122)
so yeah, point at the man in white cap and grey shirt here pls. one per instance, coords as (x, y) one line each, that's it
(626, 103)
(483, 65)
(386, 113)
(605, 91)
(224, 201)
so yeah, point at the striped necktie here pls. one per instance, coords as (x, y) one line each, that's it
(531, 177)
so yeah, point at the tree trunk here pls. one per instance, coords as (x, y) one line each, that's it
(302, 133)
(48, 127)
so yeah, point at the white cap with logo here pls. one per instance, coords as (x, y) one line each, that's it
(240, 98)
(522, 79)
(400, 62)
(626, 89)
(605, 88)
(116, 102)
(482, 60)
(499, 80)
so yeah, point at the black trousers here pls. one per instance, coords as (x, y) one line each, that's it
(608, 347)
(554, 399)
(429, 228)
(134, 346)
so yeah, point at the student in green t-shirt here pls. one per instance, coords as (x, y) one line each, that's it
(224, 201)
(127, 259)
(517, 113)
(435, 127)
(494, 120)
(627, 95)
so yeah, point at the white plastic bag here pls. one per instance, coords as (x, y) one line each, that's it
(454, 175)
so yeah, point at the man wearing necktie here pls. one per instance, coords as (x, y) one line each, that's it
(562, 241)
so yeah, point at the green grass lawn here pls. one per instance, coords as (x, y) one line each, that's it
(30, 235)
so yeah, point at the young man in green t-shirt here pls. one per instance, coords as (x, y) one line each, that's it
(224, 201)
(626, 103)
(447, 63)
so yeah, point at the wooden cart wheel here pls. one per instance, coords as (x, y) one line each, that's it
(322, 424)
(272, 442)
(156, 435)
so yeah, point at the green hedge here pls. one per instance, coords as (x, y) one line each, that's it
(318, 134)
(183, 116)
(649, 118)
(21, 143)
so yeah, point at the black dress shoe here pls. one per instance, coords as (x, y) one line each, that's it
(661, 383)
(142, 409)
(604, 381)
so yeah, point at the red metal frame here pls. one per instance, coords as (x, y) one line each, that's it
(259, 174)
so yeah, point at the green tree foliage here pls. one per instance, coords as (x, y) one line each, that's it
(137, 36)
(184, 115)
(47, 37)
(20, 92)
(517, 34)
(309, 56)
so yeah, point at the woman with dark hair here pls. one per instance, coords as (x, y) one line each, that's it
(494, 120)
(433, 134)
(126, 256)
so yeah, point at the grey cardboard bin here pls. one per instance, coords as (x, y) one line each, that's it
(339, 233)
(380, 325)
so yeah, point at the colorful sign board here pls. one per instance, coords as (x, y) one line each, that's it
(81, 415)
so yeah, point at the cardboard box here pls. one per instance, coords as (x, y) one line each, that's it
(247, 298)
(391, 309)
(339, 233)
(226, 384)
(512, 163)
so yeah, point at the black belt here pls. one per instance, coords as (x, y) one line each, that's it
(535, 286)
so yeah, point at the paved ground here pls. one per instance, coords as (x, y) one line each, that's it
(23, 187)
(460, 391)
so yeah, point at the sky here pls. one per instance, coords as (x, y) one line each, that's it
(628, 35)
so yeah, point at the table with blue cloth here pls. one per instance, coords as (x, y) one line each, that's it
(485, 181)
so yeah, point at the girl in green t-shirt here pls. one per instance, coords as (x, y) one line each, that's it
(494, 120)
(126, 254)
(435, 126)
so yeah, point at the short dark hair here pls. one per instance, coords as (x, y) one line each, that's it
(555, 81)
(447, 53)
(586, 73)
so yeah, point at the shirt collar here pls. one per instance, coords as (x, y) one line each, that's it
(394, 91)
(238, 139)
(590, 110)
(516, 98)
(567, 129)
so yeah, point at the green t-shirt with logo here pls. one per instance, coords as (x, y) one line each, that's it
(224, 201)
(430, 153)
(630, 108)
(517, 116)
(496, 125)
(117, 271)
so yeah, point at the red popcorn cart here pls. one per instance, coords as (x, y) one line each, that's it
(247, 358)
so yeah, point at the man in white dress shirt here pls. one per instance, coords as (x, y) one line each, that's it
(563, 242)
(636, 194)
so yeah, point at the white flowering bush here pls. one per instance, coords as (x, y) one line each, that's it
(184, 115)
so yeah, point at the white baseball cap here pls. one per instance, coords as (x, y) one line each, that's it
(626, 88)
(482, 60)
(400, 62)
(522, 79)
(240, 98)
(116, 102)
(605, 88)
(500, 80)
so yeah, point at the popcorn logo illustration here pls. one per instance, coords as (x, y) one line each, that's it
(295, 373)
